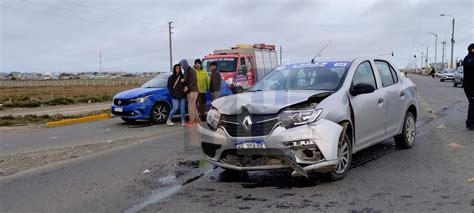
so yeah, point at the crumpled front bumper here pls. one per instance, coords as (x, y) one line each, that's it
(219, 148)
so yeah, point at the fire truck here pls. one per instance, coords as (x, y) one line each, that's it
(243, 64)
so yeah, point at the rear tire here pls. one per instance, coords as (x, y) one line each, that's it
(129, 120)
(442, 80)
(406, 139)
(344, 153)
(455, 84)
(159, 113)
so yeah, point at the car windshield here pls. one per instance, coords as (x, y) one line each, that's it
(223, 64)
(307, 76)
(161, 80)
(448, 71)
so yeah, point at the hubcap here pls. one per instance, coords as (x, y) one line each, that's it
(410, 130)
(343, 154)
(160, 113)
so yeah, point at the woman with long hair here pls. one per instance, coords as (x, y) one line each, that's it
(176, 89)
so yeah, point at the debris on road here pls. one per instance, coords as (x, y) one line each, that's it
(147, 171)
(453, 145)
(442, 126)
(471, 180)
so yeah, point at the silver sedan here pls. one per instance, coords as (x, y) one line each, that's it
(311, 117)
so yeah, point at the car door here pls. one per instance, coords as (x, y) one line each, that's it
(394, 96)
(368, 109)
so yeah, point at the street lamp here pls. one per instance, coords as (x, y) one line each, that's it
(452, 37)
(436, 46)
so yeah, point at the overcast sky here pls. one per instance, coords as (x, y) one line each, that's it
(67, 35)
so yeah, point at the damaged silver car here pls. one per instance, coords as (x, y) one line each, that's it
(312, 117)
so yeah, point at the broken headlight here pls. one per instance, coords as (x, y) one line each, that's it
(213, 117)
(291, 118)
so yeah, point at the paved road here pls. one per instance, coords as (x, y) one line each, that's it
(432, 176)
(51, 110)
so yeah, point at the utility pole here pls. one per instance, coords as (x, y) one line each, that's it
(421, 59)
(281, 56)
(452, 44)
(436, 47)
(415, 63)
(171, 46)
(452, 37)
(427, 57)
(100, 61)
(443, 54)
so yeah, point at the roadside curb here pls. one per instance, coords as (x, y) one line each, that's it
(79, 120)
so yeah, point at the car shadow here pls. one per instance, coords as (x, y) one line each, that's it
(283, 180)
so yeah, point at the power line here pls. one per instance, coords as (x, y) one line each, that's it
(88, 13)
(70, 17)
(416, 35)
(109, 10)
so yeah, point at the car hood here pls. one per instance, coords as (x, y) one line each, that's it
(138, 92)
(265, 102)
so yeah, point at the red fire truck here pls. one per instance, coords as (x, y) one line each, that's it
(244, 64)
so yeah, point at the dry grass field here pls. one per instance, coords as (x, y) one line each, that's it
(57, 95)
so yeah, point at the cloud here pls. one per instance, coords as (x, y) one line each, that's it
(34, 41)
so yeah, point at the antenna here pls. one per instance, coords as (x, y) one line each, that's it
(320, 51)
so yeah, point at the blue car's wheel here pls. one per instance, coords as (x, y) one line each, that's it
(159, 113)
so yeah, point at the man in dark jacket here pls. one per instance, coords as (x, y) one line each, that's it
(216, 79)
(468, 84)
(191, 89)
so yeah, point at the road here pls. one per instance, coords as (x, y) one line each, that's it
(110, 177)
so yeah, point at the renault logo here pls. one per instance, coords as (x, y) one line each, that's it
(247, 123)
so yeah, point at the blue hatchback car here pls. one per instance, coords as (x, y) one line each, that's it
(151, 101)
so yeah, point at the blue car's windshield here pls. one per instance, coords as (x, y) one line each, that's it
(306, 76)
(159, 81)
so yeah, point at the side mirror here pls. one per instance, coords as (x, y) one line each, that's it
(361, 88)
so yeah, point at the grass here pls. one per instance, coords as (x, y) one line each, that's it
(10, 120)
(27, 102)
(28, 97)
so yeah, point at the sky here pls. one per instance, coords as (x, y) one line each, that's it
(132, 35)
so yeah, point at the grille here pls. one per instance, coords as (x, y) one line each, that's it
(121, 102)
(262, 125)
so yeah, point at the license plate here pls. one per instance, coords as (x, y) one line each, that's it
(253, 144)
(118, 109)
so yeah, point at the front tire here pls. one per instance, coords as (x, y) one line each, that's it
(159, 113)
(344, 155)
(455, 84)
(406, 139)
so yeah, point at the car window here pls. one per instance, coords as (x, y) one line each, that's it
(385, 73)
(364, 74)
(394, 74)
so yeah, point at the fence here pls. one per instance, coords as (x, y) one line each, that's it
(74, 82)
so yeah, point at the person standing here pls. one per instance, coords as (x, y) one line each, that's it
(178, 96)
(216, 79)
(468, 85)
(203, 87)
(191, 89)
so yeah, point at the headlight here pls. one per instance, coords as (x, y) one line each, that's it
(213, 117)
(140, 99)
(293, 118)
(229, 81)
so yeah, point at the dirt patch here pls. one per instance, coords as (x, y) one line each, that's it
(57, 95)
(12, 164)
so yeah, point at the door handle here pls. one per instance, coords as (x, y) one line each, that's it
(380, 101)
(402, 94)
